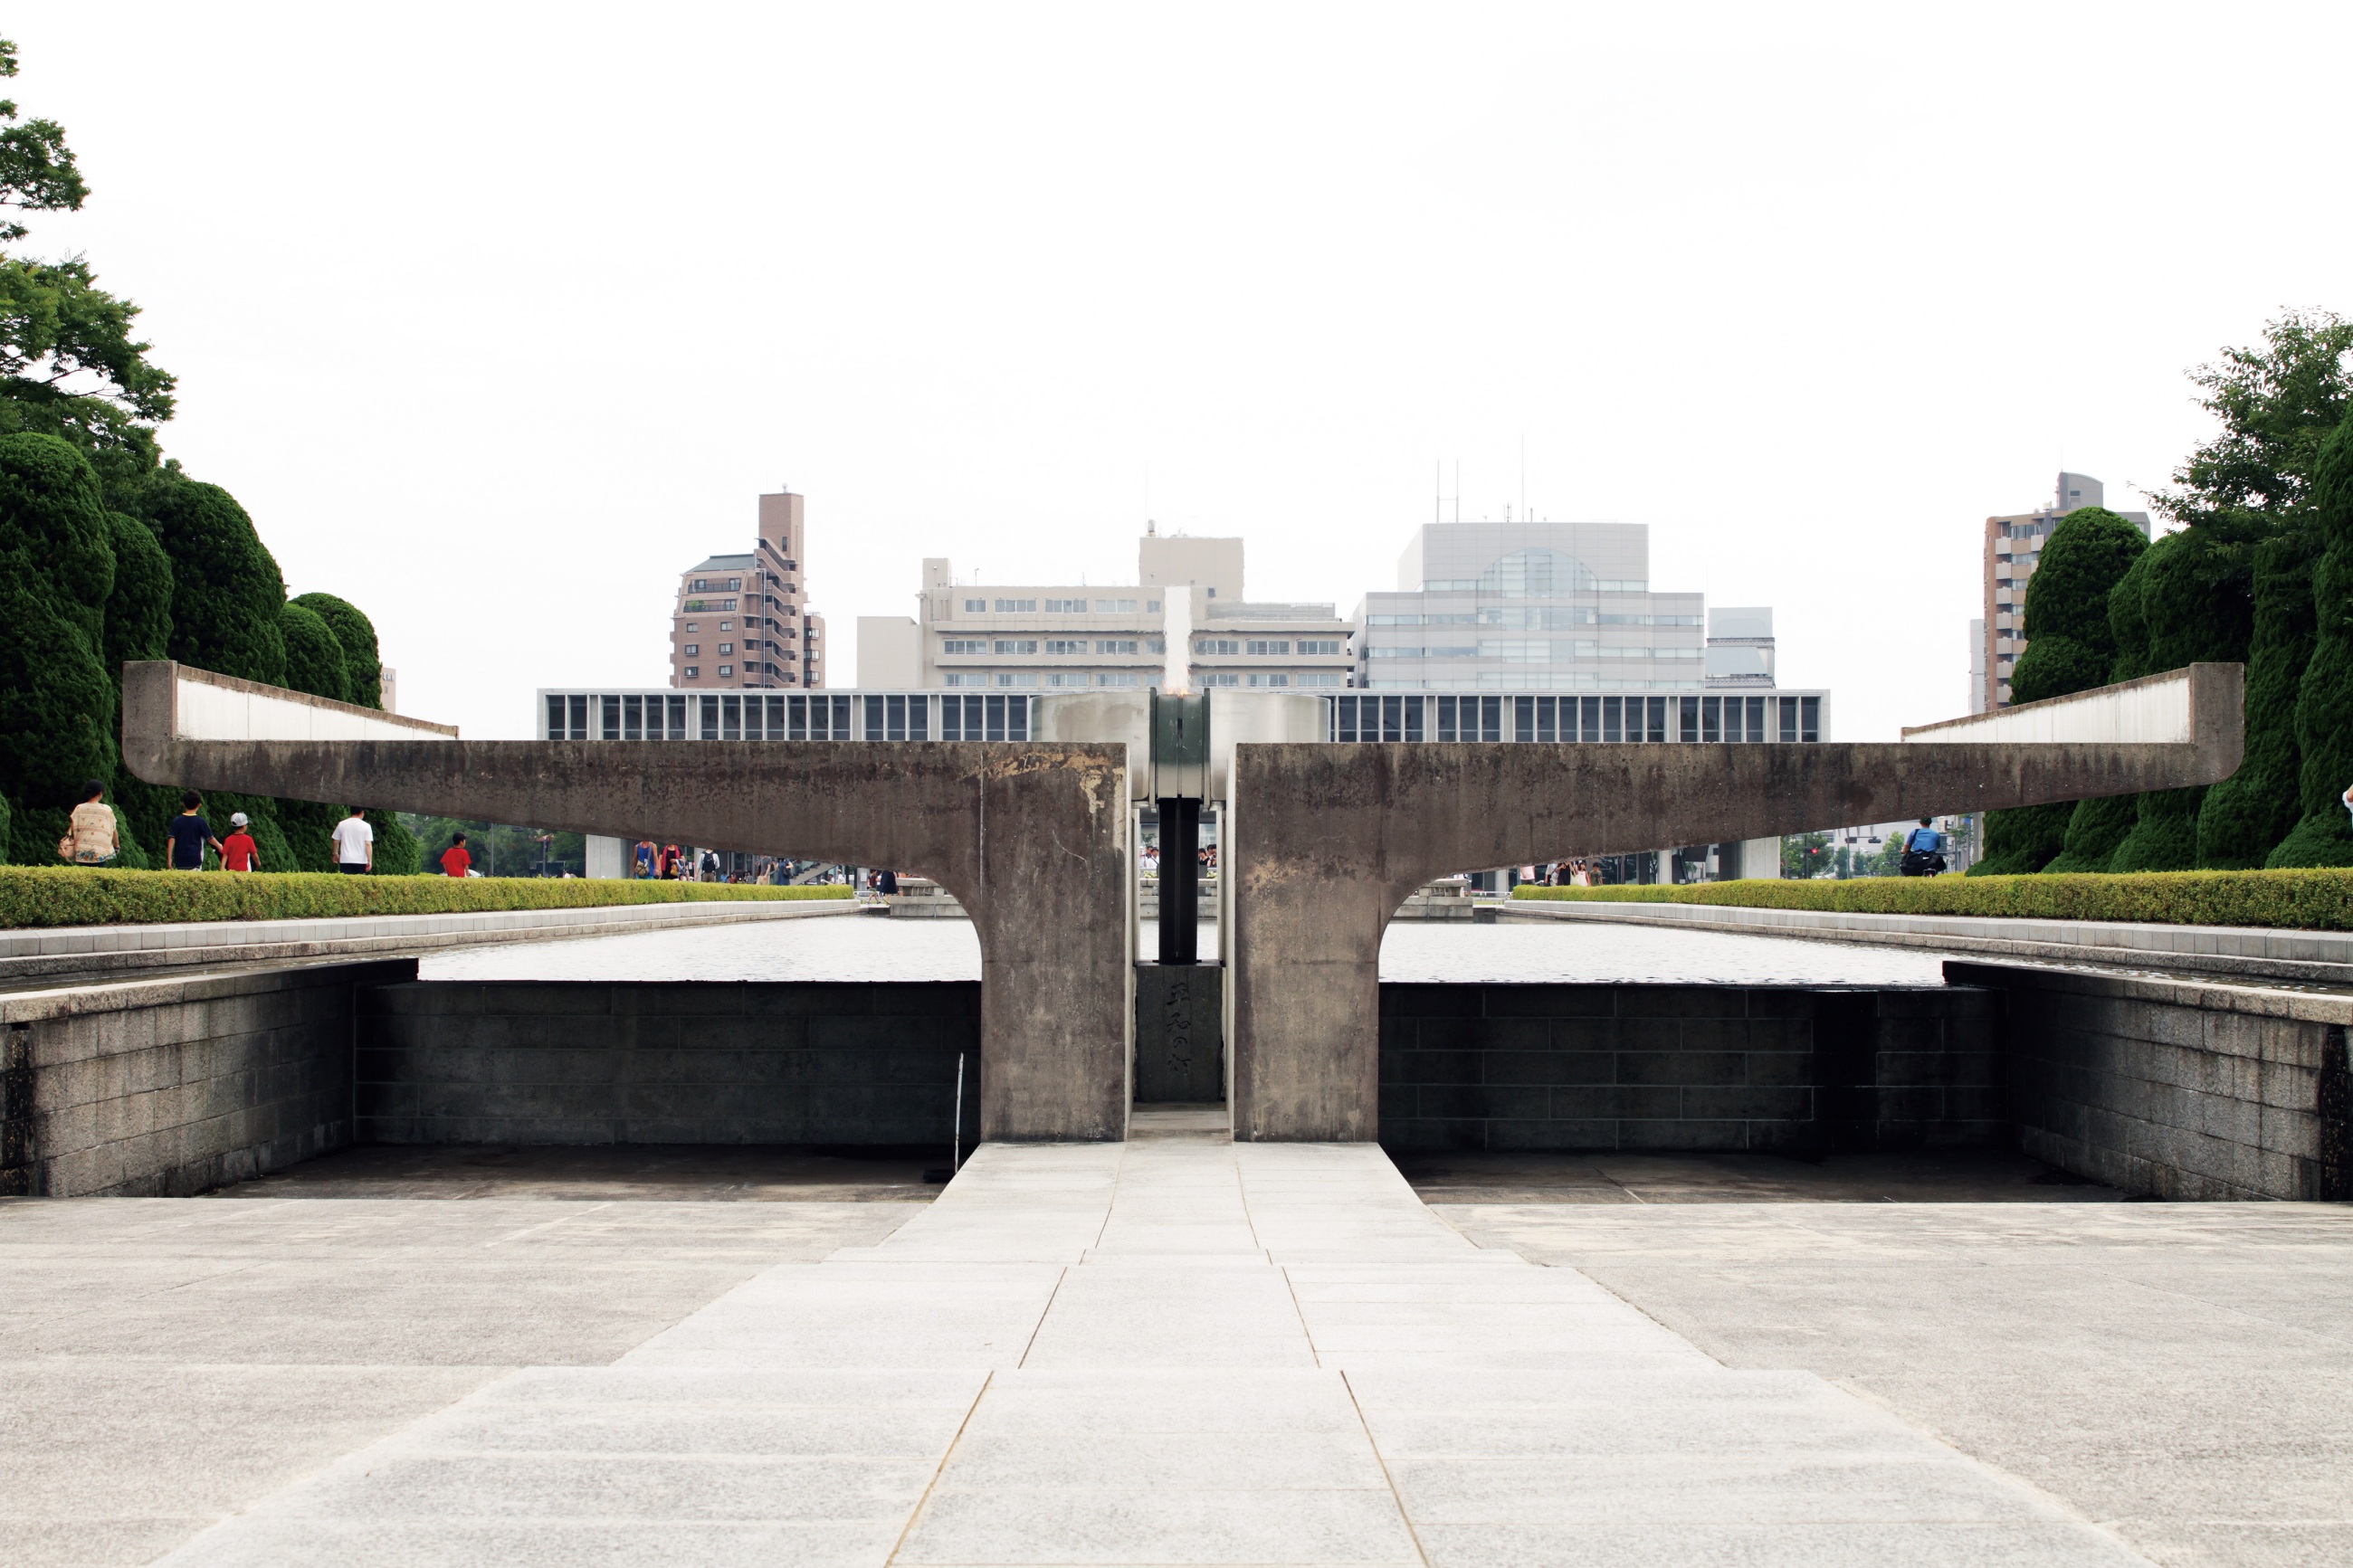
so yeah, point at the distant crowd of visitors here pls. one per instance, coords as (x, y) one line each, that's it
(94, 838)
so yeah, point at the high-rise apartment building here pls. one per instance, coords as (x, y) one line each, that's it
(1049, 637)
(2013, 546)
(743, 622)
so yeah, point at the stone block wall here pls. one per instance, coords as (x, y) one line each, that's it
(2177, 1088)
(573, 1062)
(1780, 1069)
(168, 1087)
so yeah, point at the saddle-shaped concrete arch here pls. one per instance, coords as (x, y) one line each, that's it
(1326, 841)
(1030, 838)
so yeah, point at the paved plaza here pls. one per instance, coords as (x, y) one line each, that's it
(1178, 1350)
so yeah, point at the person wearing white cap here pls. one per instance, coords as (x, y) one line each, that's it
(239, 851)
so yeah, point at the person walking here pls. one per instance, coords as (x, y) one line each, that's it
(189, 835)
(890, 880)
(456, 859)
(354, 843)
(1924, 852)
(93, 835)
(646, 856)
(239, 851)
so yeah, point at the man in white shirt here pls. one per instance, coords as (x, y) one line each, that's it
(355, 844)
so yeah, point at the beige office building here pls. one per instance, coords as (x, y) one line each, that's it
(742, 622)
(2013, 546)
(1067, 636)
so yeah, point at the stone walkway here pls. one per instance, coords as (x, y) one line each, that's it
(1178, 1350)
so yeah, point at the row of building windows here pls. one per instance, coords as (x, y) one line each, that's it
(1062, 606)
(1121, 679)
(920, 716)
(1530, 651)
(1268, 648)
(1583, 720)
(1530, 586)
(840, 716)
(1544, 618)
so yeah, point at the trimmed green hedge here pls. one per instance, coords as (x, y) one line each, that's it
(2301, 900)
(79, 895)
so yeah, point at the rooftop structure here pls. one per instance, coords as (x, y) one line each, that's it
(742, 622)
(1076, 635)
(2013, 544)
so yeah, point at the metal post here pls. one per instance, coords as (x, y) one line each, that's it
(1180, 880)
(955, 1134)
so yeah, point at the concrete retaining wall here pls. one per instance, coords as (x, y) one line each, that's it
(169, 1087)
(2178, 1088)
(566, 1062)
(1780, 1069)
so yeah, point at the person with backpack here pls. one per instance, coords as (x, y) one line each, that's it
(93, 835)
(1924, 852)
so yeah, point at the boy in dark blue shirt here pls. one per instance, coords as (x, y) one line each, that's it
(189, 835)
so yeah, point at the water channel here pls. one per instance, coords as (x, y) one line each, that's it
(867, 948)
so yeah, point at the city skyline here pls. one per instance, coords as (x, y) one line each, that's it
(994, 289)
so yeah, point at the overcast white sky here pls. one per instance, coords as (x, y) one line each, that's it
(497, 316)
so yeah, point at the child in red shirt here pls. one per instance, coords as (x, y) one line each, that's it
(455, 859)
(239, 851)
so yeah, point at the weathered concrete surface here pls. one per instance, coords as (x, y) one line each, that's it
(159, 1087)
(1030, 838)
(699, 1063)
(62, 955)
(2250, 952)
(2177, 1371)
(1168, 1350)
(1799, 1070)
(2178, 1088)
(1326, 841)
(167, 1363)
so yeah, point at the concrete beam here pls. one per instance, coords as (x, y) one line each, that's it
(1030, 838)
(1323, 842)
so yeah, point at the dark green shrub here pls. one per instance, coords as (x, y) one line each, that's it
(397, 853)
(2300, 899)
(356, 634)
(2323, 703)
(52, 895)
(2096, 830)
(2247, 813)
(139, 610)
(57, 568)
(2195, 606)
(307, 824)
(314, 659)
(2023, 838)
(2071, 646)
(226, 593)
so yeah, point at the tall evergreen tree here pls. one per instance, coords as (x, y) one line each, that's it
(2195, 606)
(226, 593)
(314, 658)
(2248, 813)
(2250, 487)
(2071, 646)
(2323, 703)
(356, 634)
(57, 570)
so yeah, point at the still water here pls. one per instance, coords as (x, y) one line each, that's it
(867, 948)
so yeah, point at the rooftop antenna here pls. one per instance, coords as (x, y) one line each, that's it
(1437, 490)
(1524, 475)
(1458, 489)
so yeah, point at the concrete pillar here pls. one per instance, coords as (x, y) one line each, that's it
(1327, 840)
(1031, 839)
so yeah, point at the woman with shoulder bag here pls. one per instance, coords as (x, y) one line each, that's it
(91, 838)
